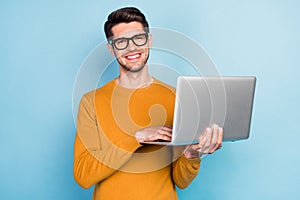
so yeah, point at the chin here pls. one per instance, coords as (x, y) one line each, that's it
(136, 69)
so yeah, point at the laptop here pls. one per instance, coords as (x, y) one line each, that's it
(203, 101)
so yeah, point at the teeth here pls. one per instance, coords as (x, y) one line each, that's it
(133, 56)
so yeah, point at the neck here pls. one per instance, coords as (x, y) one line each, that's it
(135, 79)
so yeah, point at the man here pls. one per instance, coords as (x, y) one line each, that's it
(116, 120)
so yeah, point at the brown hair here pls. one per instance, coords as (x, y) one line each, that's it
(124, 15)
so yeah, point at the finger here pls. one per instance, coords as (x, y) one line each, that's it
(218, 142)
(208, 136)
(162, 132)
(163, 137)
(203, 140)
(220, 139)
(215, 135)
(167, 128)
(155, 137)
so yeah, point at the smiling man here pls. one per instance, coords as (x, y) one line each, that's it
(129, 57)
(115, 120)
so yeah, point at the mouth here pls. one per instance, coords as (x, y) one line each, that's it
(133, 56)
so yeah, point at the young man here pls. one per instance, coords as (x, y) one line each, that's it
(115, 120)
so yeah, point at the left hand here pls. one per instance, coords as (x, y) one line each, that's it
(209, 142)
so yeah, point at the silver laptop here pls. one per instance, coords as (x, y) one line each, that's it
(203, 101)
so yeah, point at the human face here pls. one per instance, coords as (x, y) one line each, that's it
(134, 57)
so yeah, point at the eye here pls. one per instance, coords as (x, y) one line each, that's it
(120, 41)
(139, 37)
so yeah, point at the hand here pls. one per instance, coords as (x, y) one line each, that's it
(209, 142)
(153, 133)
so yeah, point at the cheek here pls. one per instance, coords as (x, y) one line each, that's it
(118, 54)
(146, 52)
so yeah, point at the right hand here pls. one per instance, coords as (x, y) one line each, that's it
(209, 142)
(153, 133)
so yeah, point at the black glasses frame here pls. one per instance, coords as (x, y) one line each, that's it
(112, 42)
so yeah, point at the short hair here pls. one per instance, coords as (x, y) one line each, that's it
(124, 15)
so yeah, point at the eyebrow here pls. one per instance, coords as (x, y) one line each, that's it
(123, 37)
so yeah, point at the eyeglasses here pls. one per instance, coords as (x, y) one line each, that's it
(122, 43)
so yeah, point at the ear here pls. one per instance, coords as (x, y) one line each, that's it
(110, 49)
(150, 40)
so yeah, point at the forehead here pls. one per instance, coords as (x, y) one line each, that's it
(127, 29)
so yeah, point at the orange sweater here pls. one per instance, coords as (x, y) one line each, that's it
(107, 155)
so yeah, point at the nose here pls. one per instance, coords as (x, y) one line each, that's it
(131, 45)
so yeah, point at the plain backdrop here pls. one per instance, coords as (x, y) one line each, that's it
(44, 43)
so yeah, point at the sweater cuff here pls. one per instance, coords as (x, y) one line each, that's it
(191, 161)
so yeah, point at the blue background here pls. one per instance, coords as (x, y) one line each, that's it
(43, 44)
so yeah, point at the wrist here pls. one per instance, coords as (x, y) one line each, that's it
(190, 155)
(139, 137)
(187, 154)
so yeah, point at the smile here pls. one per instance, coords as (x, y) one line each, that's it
(134, 56)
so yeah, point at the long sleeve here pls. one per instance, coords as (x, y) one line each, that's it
(108, 155)
(95, 156)
(184, 170)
